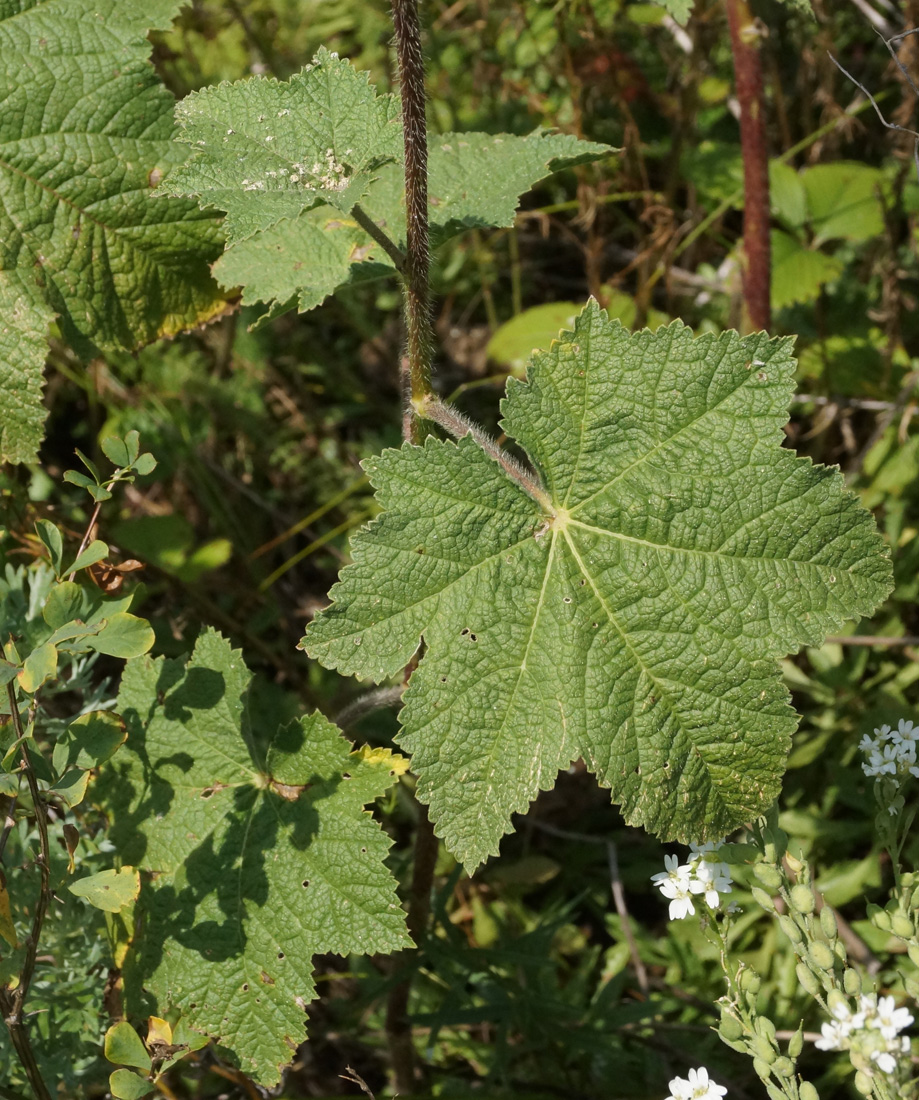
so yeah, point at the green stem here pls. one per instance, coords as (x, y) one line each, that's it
(417, 367)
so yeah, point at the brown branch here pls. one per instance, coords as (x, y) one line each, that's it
(748, 76)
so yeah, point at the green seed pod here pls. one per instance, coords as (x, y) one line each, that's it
(863, 1083)
(852, 982)
(802, 899)
(730, 1028)
(820, 955)
(912, 949)
(796, 1042)
(902, 926)
(914, 899)
(828, 922)
(807, 980)
(768, 875)
(880, 918)
(783, 1067)
(763, 1049)
(761, 1069)
(749, 981)
(775, 1093)
(762, 1025)
(806, 1091)
(839, 950)
(762, 899)
(791, 929)
(911, 985)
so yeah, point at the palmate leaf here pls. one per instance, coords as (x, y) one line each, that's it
(84, 138)
(268, 152)
(637, 622)
(259, 860)
(267, 149)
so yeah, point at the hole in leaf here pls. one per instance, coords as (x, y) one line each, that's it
(305, 882)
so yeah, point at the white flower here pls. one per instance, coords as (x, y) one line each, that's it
(889, 1020)
(704, 874)
(698, 1087)
(886, 1062)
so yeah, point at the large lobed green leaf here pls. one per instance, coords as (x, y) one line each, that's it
(268, 152)
(84, 139)
(257, 860)
(636, 623)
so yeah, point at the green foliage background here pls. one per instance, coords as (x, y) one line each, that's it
(525, 985)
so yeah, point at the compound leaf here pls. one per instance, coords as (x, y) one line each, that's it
(260, 860)
(84, 138)
(636, 621)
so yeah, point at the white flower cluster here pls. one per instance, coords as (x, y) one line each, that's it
(704, 874)
(873, 1031)
(698, 1087)
(891, 753)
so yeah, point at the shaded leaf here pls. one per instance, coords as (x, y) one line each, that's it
(259, 862)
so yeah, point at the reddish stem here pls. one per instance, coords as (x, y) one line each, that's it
(748, 75)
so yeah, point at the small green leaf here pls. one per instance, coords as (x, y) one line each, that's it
(145, 464)
(132, 443)
(116, 450)
(123, 1046)
(124, 635)
(65, 603)
(7, 672)
(90, 465)
(635, 619)
(39, 667)
(125, 1085)
(99, 493)
(73, 631)
(111, 891)
(96, 551)
(679, 9)
(51, 537)
(90, 740)
(71, 787)
(74, 477)
(799, 273)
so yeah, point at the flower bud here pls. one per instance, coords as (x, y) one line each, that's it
(791, 929)
(902, 926)
(852, 982)
(806, 1091)
(795, 865)
(761, 1069)
(796, 1042)
(762, 1025)
(730, 1028)
(807, 980)
(763, 1049)
(763, 900)
(863, 1083)
(768, 875)
(749, 981)
(880, 918)
(820, 955)
(828, 922)
(802, 899)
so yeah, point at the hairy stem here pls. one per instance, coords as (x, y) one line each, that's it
(12, 1002)
(748, 73)
(458, 425)
(417, 362)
